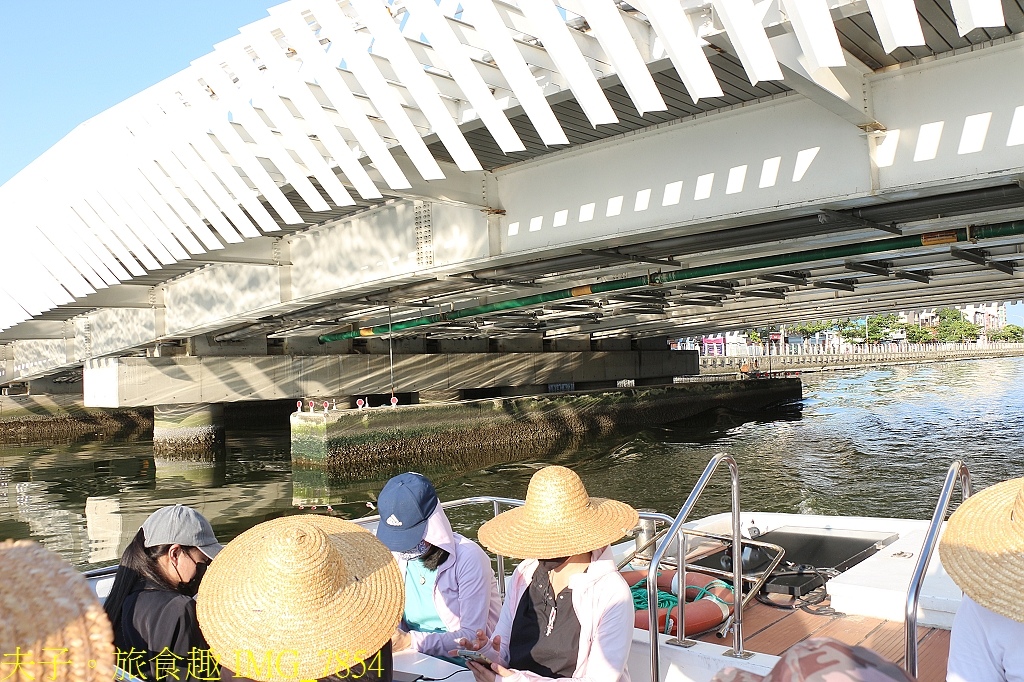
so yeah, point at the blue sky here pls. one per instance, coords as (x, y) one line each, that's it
(65, 61)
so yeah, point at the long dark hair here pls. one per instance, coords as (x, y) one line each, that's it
(138, 566)
(434, 557)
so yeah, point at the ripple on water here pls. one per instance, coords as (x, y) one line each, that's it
(867, 442)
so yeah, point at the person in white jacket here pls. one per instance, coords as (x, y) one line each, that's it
(450, 590)
(567, 612)
(982, 550)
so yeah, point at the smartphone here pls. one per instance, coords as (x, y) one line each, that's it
(470, 655)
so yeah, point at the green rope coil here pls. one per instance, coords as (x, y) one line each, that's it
(666, 600)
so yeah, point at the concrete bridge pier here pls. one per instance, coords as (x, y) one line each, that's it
(188, 431)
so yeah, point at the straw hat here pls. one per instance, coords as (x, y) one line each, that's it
(48, 610)
(310, 594)
(983, 548)
(559, 519)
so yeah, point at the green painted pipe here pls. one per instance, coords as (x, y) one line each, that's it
(995, 231)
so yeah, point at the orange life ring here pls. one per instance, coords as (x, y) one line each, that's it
(702, 614)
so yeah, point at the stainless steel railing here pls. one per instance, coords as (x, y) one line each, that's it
(957, 472)
(674, 533)
(756, 582)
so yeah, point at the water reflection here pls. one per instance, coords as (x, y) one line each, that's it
(869, 442)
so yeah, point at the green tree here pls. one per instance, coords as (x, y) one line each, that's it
(948, 315)
(850, 330)
(881, 327)
(753, 336)
(953, 327)
(1010, 332)
(809, 329)
(917, 334)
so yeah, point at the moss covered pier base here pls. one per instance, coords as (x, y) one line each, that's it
(358, 443)
(58, 418)
(182, 431)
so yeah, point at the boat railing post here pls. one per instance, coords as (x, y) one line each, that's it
(737, 565)
(957, 472)
(682, 541)
(659, 553)
(501, 560)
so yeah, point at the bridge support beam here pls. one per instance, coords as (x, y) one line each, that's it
(188, 431)
(119, 382)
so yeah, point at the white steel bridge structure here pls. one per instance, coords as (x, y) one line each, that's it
(554, 170)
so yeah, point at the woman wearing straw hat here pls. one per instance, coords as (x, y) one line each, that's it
(301, 598)
(568, 612)
(450, 591)
(52, 627)
(151, 603)
(982, 549)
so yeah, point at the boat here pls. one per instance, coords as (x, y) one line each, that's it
(865, 581)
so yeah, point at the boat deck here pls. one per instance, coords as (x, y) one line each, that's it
(773, 631)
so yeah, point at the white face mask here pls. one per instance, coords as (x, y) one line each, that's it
(414, 553)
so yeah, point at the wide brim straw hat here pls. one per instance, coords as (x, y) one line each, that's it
(982, 548)
(313, 595)
(48, 610)
(559, 519)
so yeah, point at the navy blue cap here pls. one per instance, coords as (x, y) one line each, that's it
(405, 504)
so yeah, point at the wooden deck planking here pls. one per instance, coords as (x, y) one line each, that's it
(848, 629)
(887, 640)
(792, 629)
(773, 631)
(757, 619)
(932, 654)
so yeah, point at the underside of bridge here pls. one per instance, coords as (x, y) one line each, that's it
(526, 178)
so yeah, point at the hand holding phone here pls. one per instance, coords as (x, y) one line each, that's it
(475, 656)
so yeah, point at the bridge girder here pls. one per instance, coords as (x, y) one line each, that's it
(248, 240)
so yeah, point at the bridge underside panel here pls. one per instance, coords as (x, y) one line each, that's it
(394, 240)
(218, 293)
(124, 382)
(956, 121)
(113, 330)
(780, 154)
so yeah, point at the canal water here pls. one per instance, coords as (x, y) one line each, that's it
(874, 442)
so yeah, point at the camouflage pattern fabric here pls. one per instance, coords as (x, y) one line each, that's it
(823, 660)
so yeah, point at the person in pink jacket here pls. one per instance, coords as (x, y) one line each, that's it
(567, 612)
(450, 590)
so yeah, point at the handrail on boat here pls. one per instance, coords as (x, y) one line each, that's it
(757, 583)
(737, 565)
(957, 472)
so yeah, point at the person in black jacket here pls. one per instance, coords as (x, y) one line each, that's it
(151, 604)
